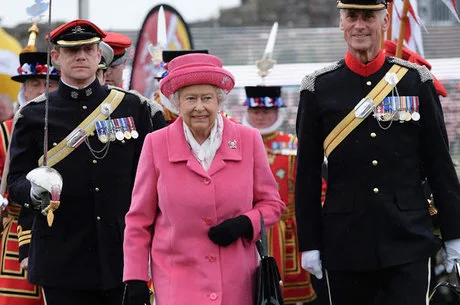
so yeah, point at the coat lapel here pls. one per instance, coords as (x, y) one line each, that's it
(179, 150)
(229, 150)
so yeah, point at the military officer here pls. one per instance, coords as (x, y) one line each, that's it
(263, 113)
(380, 124)
(95, 136)
(106, 58)
(120, 44)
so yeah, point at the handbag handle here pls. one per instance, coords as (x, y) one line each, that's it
(455, 288)
(262, 243)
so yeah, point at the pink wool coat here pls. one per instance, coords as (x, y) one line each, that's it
(175, 202)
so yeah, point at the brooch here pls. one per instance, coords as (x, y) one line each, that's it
(232, 144)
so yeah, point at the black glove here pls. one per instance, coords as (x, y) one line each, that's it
(230, 230)
(138, 292)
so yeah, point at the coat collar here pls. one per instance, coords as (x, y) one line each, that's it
(179, 150)
(90, 92)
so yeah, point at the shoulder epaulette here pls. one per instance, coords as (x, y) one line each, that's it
(39, 99)
(154, 107)
(308, 82)
(423, 71)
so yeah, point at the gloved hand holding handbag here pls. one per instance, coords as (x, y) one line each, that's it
(311, 262)
(230, 230)
(138, 292)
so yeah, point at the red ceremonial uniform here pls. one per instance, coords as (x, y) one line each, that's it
(282, 238)
(14, 287)
(281, 152)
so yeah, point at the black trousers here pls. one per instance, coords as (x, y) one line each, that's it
(60, 296)
(406, 284)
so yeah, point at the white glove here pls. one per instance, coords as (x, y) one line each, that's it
(36, 194)
(312, 263)
(452, 253)
(25, 263)
(3, 203)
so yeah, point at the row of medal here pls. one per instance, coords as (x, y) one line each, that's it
(116, 129)
(398, 108)
(284, 148)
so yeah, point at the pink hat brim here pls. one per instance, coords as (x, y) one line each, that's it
(197, 76)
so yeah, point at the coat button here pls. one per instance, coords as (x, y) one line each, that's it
(208, 220)
(206, 181)
(375, 162)
(98, 218)
(376, 190)
(54, 144)
(94, 161)
(373, 135)
(213, 296)
(211, 258)
(84, 107)
(96, 189)
(368, 83)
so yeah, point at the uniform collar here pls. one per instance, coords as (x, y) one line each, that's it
(83, 94)
(365, 69)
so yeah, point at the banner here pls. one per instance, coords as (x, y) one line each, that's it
(178, 38)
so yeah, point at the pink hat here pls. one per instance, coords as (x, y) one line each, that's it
(195, 69)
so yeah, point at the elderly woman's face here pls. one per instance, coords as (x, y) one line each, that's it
(198, 107)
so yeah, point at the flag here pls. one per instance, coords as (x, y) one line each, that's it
(452, 7)
(412, 34)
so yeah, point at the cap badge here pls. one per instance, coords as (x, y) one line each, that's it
(232, 144)
(77, 29)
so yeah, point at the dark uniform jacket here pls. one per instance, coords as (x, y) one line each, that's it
(25, 223)
(375, 214)
(83, 248)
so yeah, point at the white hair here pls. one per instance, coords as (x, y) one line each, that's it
(221, 96)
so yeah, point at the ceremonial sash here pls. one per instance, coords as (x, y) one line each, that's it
(351, 121)
(87, 127)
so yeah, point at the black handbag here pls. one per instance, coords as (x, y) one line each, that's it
(268, 279)
(447, 293)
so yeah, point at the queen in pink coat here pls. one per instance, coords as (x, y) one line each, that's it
(202, 185)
